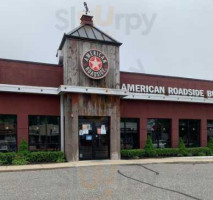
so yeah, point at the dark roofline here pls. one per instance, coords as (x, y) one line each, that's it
(125, 72)
(61, 44)
(30, 62)
(115, 41)
(65, 36)
(166, 76)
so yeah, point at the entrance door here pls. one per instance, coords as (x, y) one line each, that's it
(94, 138)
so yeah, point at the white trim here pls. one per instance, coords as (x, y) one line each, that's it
(28, 89)
(174, 98)
(92, 90)
(101, 91)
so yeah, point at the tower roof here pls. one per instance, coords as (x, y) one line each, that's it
(87, 31)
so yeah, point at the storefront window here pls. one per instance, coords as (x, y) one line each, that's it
(209, 129)
(8, 133)
(129, 133)
(189, 131)
(160, 131)
(44, 133)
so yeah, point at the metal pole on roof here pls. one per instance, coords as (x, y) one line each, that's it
(86, 8)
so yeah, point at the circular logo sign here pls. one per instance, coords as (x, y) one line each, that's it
(95, 64)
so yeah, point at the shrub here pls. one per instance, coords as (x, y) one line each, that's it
(132, 153)
(199, 151)
(23, 158)
(210, 144)
(7, 158)
(45, 156)
(23, 147)
(167, 152)
(149, 150)
(20, 159)
(182, 148)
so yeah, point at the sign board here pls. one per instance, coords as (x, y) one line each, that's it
(95, 64)
(150, 89)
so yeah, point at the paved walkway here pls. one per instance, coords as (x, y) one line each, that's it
(200, 159)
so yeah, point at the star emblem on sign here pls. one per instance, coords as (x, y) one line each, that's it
(95, 63)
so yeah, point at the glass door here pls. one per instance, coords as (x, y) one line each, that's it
(93, 138)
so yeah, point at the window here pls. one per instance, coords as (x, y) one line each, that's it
(160, 132)
(44, 133)
(209, 129)
(189, 131)
(129, 133)
(8, 133)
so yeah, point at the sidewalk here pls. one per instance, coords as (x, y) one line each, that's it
(200, 159)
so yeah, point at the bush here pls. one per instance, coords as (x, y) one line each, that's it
(133, 153)
(23, 147)
(149, 150)
(167, 152)
(20, 159)
(182, 148)
(199, 151)
(45, 157)
(23, 158)
(7, 158)
(210, 144)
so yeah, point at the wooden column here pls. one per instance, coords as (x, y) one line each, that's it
(71, 128)
(115, 132)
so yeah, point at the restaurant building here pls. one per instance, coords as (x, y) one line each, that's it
(86, 107)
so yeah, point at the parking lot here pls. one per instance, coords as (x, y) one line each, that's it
(152, 181)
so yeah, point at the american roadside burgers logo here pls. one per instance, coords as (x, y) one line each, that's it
(95, 64)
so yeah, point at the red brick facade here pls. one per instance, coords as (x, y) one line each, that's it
(36, 74)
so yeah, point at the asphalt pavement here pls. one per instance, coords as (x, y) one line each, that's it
(117, 182)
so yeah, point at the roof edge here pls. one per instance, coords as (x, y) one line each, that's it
(167, 76)
(86, 39)
(29, 62)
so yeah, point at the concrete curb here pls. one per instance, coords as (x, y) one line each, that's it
(173, 160)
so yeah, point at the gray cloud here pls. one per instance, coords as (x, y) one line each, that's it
(159, 36)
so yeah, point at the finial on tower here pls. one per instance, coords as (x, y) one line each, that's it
(86, 19)
(86, 8)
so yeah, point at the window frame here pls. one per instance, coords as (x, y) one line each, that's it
(188, 135)
(170, 131)
(16, 130)
(46, 117)
(125, 120)
(208, 120)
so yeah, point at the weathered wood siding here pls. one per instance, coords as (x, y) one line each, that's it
(90, 105)
(73, 73)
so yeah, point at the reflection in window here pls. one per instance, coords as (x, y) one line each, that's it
(209, 129)
(44, 133)
(160, 131)
(189, 131)
(8, 133)
(129, 133)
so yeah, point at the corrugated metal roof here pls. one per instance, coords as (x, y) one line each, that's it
(89, 32)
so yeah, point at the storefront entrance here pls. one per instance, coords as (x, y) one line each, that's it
(94, 138)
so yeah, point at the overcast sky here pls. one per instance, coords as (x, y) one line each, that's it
(169, 37)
